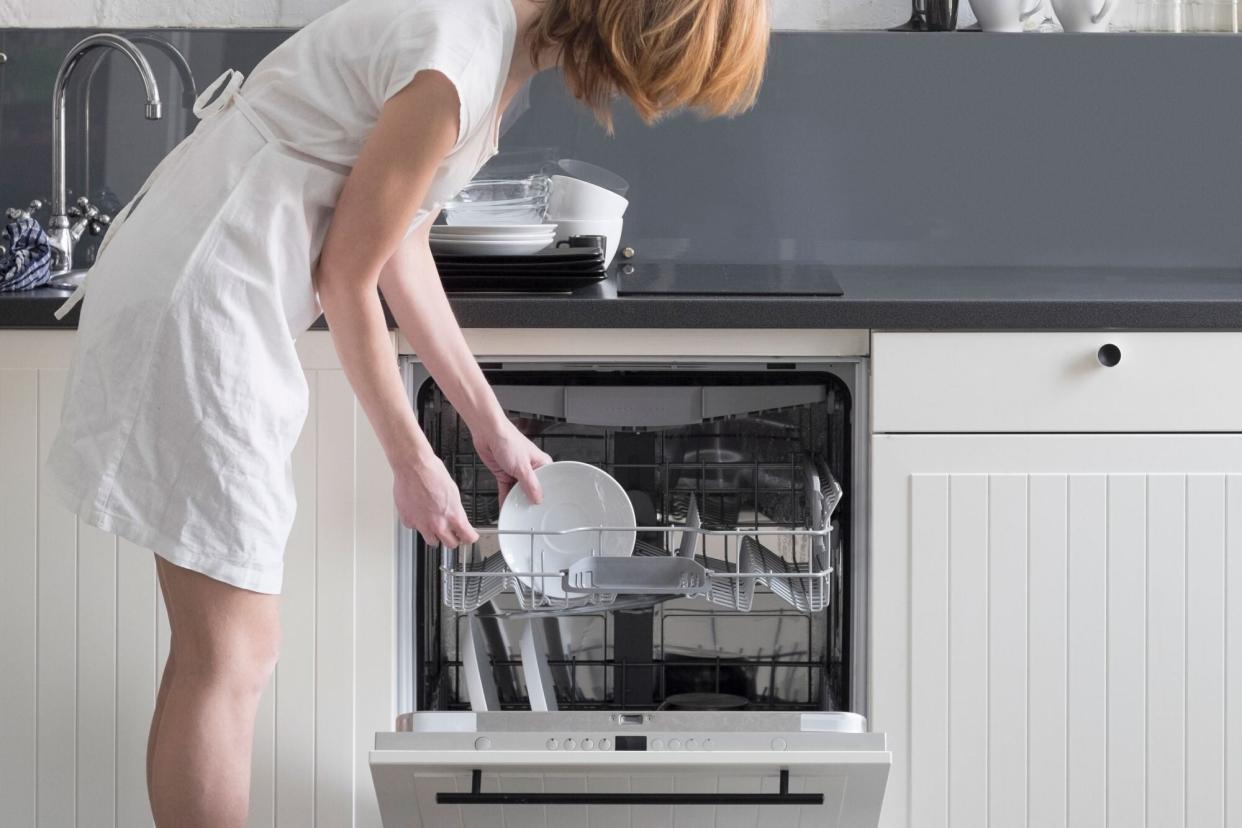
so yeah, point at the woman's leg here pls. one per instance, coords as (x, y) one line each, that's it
(165, 677)
(226, 641)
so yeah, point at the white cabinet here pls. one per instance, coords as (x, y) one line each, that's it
(82, 635)
(1063, 381)
(1056, 629)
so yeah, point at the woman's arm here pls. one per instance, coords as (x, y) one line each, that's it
(416, 298)
(416, 129)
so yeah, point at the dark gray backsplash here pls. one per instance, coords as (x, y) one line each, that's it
(865, 148)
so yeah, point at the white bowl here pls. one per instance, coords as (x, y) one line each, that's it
(593, 174)
(573, 198)
(609, 228)
(482, 247)
(575, 495)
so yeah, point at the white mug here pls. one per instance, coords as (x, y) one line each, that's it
(1002, 15)
(1084, 15)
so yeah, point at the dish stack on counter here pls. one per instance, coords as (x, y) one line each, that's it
(544, 233)
(495, 240)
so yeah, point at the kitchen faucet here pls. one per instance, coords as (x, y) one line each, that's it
(189, 90)
(66, 225)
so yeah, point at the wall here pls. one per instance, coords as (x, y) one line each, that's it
(788, 14)
(865, 148)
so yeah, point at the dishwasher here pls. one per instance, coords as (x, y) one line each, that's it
(715, 677)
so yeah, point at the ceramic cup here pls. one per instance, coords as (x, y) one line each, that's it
(1003, 15)
(1084, 15)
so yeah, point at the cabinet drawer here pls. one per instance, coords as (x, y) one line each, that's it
(1057, 382)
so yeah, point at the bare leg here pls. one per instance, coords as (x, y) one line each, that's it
(165, 678)
(226, 642)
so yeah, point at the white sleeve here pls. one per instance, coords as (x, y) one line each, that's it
(448, 42)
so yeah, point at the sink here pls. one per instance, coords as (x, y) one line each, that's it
(68, 281)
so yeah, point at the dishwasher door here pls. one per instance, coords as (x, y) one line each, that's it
(670, 788)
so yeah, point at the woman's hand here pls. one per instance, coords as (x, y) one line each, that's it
(512, 458)
(428, 501)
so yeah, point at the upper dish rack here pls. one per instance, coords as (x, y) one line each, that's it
(721, 566)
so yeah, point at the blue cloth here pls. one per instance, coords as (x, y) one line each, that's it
(28, 264)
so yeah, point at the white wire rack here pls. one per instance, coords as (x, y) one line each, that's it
(721, 566)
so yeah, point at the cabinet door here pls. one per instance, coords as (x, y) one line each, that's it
(1056, 629)
(83, 635)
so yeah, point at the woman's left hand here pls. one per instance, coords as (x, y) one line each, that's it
(513, 459)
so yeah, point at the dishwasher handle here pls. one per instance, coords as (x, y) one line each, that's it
(476, 796)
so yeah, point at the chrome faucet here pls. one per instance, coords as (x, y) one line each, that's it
(66, 224)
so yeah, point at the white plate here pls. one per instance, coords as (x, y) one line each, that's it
(473, 247)
(574, 495)
(547, 237)
(491, 229)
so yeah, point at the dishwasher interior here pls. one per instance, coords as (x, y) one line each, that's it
(744, 477)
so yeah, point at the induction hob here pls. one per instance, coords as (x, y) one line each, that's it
(710, 279)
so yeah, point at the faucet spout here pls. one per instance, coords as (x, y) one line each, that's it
(60, 229)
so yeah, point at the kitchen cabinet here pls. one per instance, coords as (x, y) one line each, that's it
(1056, 381)
(1055, 618)
(84, 635)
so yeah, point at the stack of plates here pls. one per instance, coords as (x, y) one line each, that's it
(555, 269)
(491, 240)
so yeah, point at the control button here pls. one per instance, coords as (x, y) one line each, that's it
(482, 743)
(570, 744)
(707, 744)
(605, 743)
(691, 744)
(779, 744)
(553, 744)
(674, 744)
(657, 744)
(587, 744)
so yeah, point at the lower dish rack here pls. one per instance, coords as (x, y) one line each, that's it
(720, 566)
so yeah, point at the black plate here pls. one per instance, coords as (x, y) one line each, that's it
(547, 256)
(513, 283)
(564, 268)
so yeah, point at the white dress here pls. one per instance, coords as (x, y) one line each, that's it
(186, 397)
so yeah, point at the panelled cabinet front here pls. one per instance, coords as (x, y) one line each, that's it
(1056, 618)
(83, 635)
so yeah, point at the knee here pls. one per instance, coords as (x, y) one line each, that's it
(240, 660)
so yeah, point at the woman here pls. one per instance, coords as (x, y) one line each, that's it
(306, 191)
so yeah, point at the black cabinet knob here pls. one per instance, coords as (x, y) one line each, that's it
(1108, 355)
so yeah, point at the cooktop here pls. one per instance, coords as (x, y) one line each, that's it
(709, 279)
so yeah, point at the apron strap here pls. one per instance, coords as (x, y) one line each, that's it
(228, 87)
(213, 99)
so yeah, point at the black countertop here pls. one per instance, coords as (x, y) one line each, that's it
(940, 298)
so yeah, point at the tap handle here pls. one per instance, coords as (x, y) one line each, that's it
(83, 210)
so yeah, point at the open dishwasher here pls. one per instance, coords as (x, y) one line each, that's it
(714, 677)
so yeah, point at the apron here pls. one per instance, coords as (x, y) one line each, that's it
(223, 91)
(186, 395)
